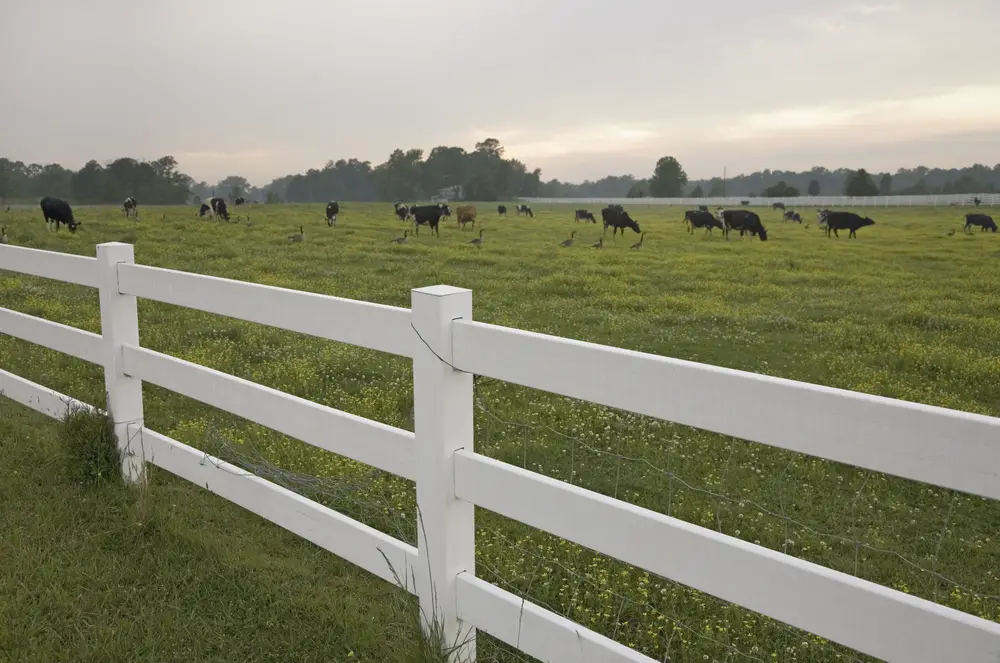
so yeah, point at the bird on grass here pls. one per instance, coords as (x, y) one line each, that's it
(400, 240)
(299, 236)
(479, 240)
(951, 232)
(568, 242)
(598, 245)
(807, 226)
(638, 245)
(3, 236)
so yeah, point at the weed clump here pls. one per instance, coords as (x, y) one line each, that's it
(93, 457)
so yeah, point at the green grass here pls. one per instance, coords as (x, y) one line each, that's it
(905, 310)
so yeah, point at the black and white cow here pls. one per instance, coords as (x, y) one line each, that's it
(332, 210)
(745, 221)
(502, 210)
(525, 209)
(131, 207)
(792, 215)
(429, 215)
(240, 201)
(702, 219)
(402, 211)
(57, 211)
(777, 206)
(584, 215)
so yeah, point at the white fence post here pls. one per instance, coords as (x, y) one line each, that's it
(120, 326)
(443, 423)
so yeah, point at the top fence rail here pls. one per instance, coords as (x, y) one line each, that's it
(951, 200)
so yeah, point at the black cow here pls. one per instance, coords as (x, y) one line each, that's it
(131, 207)
(792, 215)
(429, 215)
(745, 221)
(220, 208)
(58, 211)
(332, 210)
(584, 215)
(777, 206)
(984, 222)
(240, 201)
(616, 217)
(702, 208)
(502, 210)
(402, 211)
(525, 209)
(977, 201)
(845, 221)
(702, 219)
(744, 202)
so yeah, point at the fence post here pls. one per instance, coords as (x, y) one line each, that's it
(443, 423)
(120, 326)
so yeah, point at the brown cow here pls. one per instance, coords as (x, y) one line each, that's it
(466, 214)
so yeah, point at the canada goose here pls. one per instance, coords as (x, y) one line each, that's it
(598, 245)
(638, 245)
(3, 236)
(479, 240)
(400, 240)
(569, 242)
(951, 232)
(807, 226)
(301, 235)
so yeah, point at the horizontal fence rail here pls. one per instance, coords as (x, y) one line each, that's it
(944, 447)
(375, 326)
(65, 267)
(834, 605)
(370, 442)
(75, 342)
(942, 200)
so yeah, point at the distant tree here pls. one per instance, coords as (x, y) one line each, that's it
(780, 190)
(697, 192)
(490, 147)
(885, 185)
(860, 183)
(639, 190)
(813, 187)
(668, 179)
(716, 187)
(272, 198)
(233, 186)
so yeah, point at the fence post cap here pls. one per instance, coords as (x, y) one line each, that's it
(439, 290)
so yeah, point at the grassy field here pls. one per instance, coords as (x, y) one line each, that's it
(905, 310)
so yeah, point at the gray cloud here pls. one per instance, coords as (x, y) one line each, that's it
(579, 88)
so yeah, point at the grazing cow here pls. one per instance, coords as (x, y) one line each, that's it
(792, 215)
(58, 211)
(445, 210)
(466, 214)
(702, 219)
(616, 217)
(745, 221)
(702, 208)
(984, 222)
(429, 215)
(220, 208)
(525, 209)
(821, 217)
(744, 202)
(845, 221)
(332, 210)
(584, 215)
(131, 207)
(502, 210)
(777, 206)
(240, 201)
(402, 211)
(977, 201)
(205, 209)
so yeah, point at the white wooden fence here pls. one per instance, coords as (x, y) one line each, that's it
(942, 200)
(944, 447)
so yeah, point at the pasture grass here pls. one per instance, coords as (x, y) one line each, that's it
(906, 310)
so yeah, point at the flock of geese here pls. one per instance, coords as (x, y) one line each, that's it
(599, 244)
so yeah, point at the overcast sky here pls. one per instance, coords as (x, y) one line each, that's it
(579, 88)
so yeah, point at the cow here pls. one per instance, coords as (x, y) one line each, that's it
(502, 210)
(205, 209)
(466, 214)
(745, 221)
(702, 219)
(777, 206)
(429, 215)
(525, 209)
(240, 201)
(744, 202)
(616, 217)
(402, 211)
(445, 210)
(845, 221)
(219, 208)
(821, 217)
(792, 215)
(976, 201)
(984, 222)
(584, 215)
(332, 210)
(702, 208)
(131, 207)
(57, 211)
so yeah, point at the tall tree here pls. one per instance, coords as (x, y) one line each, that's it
(885, 185)
(860, 183)
(697, 192)
(813, 187)
(668, 179)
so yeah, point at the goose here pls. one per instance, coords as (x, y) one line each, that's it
(3, 236)
(479, 240)
(598, 245)
(568, 242)
(400, 240)
(951, 232)
(298, 237)
(638, 245)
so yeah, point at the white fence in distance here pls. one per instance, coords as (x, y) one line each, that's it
(944, 447)
(949, 200)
